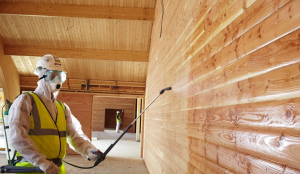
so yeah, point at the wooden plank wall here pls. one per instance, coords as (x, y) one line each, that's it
(234, 68)
(81, 108)
(102, 103)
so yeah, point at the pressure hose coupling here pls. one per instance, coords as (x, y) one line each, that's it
(100, 156)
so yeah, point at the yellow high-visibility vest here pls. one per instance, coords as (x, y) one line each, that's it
(48, 135)
(118, 118)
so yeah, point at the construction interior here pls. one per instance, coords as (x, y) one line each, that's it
(233, 65)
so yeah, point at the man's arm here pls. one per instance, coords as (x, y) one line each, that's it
(75, 136)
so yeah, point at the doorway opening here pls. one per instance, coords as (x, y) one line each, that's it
(110, 118)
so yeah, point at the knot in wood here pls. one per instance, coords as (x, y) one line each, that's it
(288, 113)
(266, 117)
(280, 141)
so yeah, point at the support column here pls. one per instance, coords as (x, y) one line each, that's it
(9, 75)
(142, 132)
(138, 121)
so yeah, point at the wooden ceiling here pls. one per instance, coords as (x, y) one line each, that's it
(103, 44)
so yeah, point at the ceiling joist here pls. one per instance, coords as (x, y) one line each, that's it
(119, 55)
(82, 11)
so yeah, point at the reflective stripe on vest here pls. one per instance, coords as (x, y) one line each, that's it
(49, 136)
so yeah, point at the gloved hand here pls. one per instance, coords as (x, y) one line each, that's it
(92, 156)
(49, 167)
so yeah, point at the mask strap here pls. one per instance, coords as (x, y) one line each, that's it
(44, 76)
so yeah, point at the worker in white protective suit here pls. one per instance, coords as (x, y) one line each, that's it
(119, 121)
(40, 126)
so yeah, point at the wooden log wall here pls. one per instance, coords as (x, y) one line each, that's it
(9, 76)
(234, 68)
(81, 108)
(102, 103)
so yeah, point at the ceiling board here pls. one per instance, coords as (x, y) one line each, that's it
(120, 55)
(90, 69)
(75, 32)
(110, 3)
(79, 11)
(82, 34)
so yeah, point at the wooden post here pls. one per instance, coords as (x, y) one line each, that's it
(138, 121)
(9, 75)
(142, 132)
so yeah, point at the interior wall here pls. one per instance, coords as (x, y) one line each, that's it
(102, 103)
(81, 108)
(234, 68)
(9, 76)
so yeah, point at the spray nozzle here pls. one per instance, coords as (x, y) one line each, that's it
(163, 90)
(8, 103)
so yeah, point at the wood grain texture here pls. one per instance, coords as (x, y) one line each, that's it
(9, 76)
(212, 168)
(280, 115)
(278, 146)
(97, 34)
(239, 162)
(257, 11)
(233, 67)
(121, 3)
(95, 70)
(111, 38)
(118, 55)
(84, 11)
(289, 170)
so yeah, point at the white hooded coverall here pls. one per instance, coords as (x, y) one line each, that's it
(19, 123)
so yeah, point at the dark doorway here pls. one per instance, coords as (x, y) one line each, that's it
(110, 118)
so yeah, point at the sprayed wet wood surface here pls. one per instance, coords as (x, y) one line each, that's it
(233, 67)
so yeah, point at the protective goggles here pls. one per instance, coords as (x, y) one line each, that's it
(54, 75)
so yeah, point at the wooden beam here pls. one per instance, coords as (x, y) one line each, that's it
(113, 93)
(117, 83)
(32, 82)
(84, 11)
(120, 55)
(119, 95)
